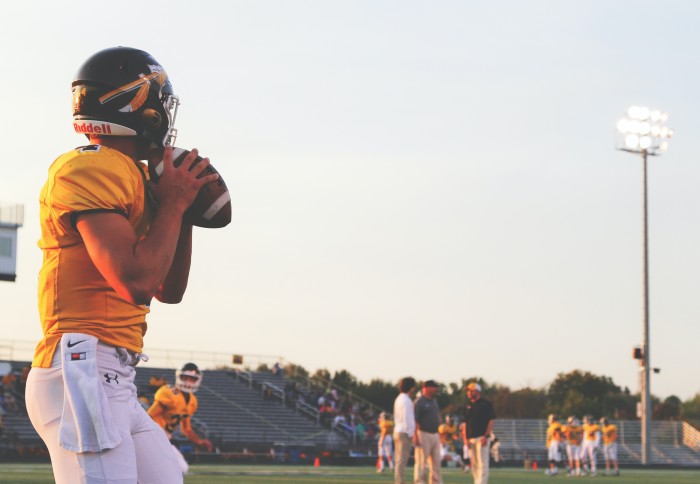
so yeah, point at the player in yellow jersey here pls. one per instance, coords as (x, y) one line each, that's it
(385, 444)
(591, 440)
(448, 440)
(173, 406)
(573, 433)
(111, 241)
(554, 436)
(609, 432)
(448, 432)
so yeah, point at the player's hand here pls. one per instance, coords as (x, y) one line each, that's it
(206, 444)
(178, 186)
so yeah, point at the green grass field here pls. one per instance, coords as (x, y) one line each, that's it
(214, 474)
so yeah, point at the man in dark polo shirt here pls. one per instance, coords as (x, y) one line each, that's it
(479, 418)
(427, 439)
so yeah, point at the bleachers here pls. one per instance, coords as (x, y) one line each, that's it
(234, 414)
(17, 424)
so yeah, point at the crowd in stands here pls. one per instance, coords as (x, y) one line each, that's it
(12, 386)
(13, 383)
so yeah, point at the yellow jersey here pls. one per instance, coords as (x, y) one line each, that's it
(573, 434)
(73, 295)
(590, 431)
(172, 407)
(554, 432)
(386, 427)
(447, 432)
(609, 434)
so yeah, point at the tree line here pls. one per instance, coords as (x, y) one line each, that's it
(575, 393)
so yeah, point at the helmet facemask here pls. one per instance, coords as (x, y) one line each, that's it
(192, 380)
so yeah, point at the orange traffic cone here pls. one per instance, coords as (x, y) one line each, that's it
(317, 462)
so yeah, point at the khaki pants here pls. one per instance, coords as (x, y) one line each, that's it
(480, 460)
(428, 452)
(402, 451)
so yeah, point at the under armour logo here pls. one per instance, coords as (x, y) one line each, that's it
(109, 378)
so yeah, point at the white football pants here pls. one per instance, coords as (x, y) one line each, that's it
(144, 456)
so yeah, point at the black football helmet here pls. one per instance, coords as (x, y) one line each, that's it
(124, 92)
(191, 384)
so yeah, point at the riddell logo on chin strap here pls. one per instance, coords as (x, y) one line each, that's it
(92, 128)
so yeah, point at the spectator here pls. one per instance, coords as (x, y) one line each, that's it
(10, 403)
(404, 427)
(360, 430)
(8, 381)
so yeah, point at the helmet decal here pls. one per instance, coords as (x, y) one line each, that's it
(142, 85)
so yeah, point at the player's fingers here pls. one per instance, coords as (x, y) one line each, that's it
(204, 176)
(190, 158)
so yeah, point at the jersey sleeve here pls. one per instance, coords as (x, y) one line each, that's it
(163, 397)
(91, 183)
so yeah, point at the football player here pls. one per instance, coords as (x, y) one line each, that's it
(174, 405)
(386, 442)
(111, 242)
(609, 432)
(591, 440)
(448, 432)
(554, 435)
(573, 432)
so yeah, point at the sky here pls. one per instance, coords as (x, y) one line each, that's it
(419, 188)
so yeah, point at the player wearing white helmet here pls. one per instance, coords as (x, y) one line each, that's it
(609, 432)
(385, 444)
(173, 407)
(591, 440)
(554, 436)
(573, 432)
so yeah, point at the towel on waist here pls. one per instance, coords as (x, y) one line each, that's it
(86, 424)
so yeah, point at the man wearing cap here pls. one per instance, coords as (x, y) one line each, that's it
(479, 418)
(404, 427)
(427, 439)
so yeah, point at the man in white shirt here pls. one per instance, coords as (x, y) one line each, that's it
(404, 427)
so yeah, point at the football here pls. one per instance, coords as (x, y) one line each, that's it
(212, 206)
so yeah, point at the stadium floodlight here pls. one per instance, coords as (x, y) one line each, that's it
(643, 131)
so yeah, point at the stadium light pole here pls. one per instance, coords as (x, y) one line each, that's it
(643, 131)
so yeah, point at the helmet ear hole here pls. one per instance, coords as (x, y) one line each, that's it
(151, 118)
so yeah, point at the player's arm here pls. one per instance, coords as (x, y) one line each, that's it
(188, 431)
(155, 410)
(137, 268)
(175, 283)
(463, 432)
